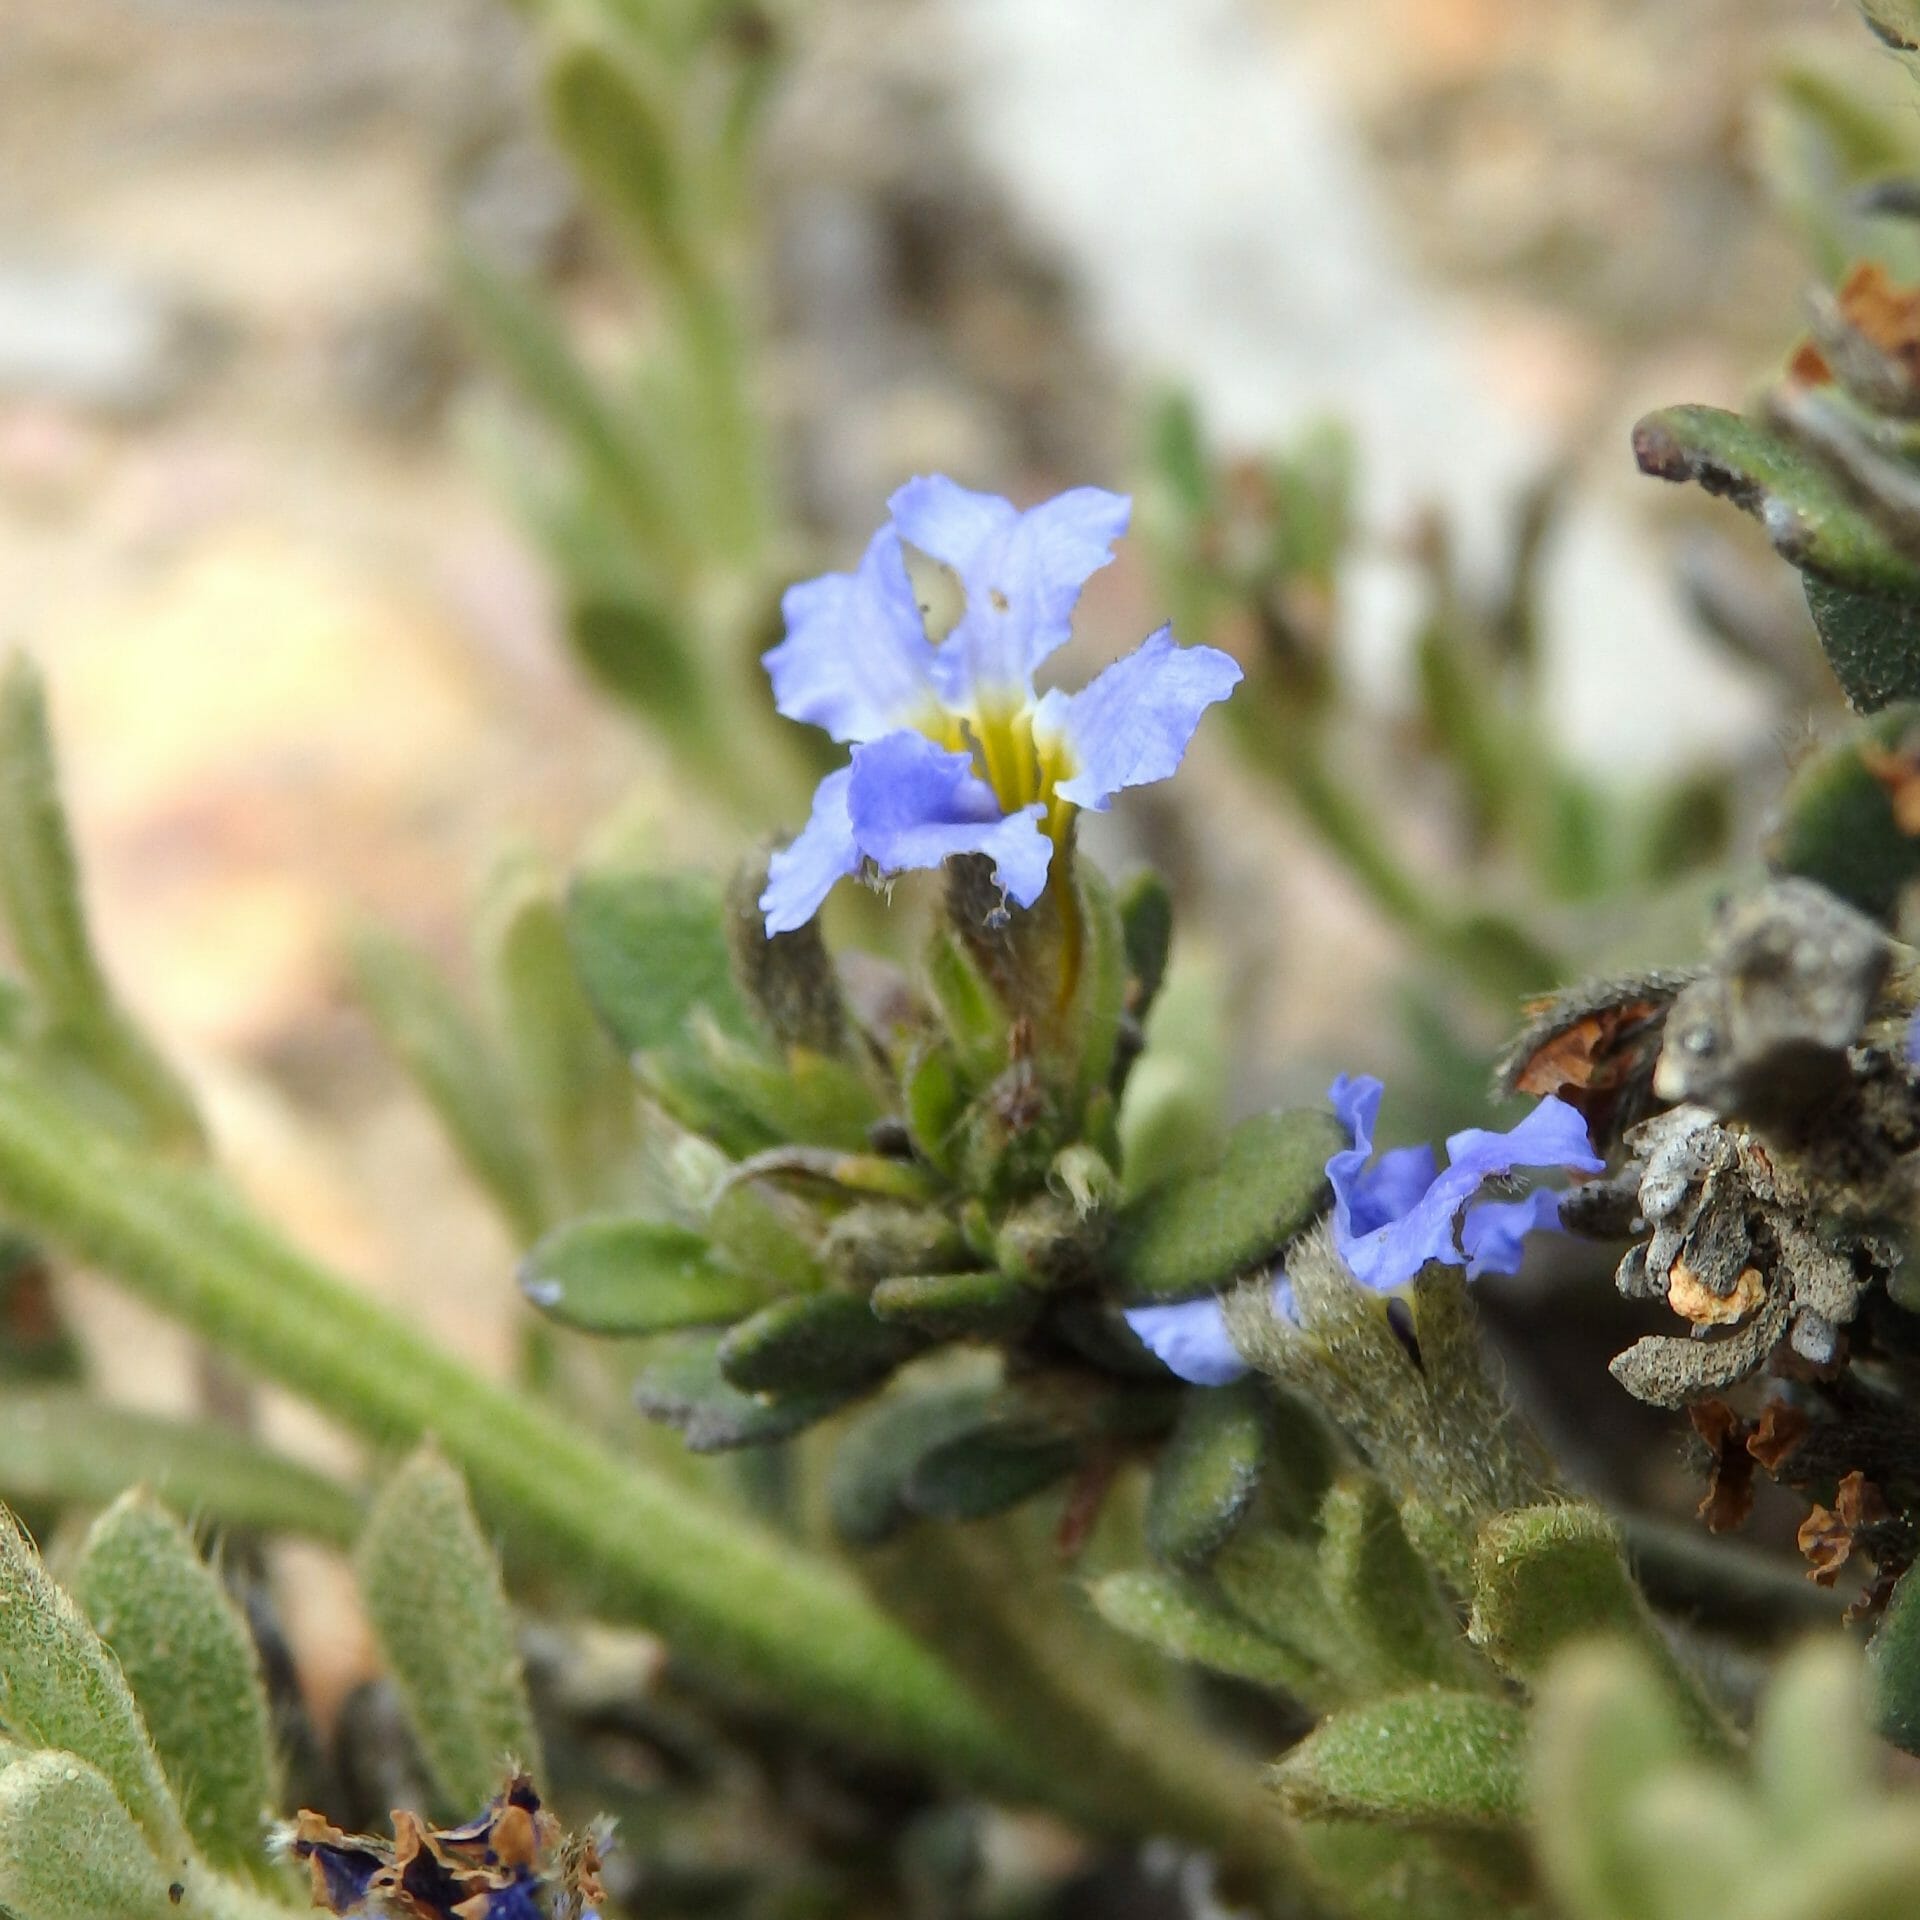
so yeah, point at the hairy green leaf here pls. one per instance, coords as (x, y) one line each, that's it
(631, 1275)
(62, 1446)
(1180, 1618)
(432, 1590)
(1200, 1230)
(60, 1687)
(70, 1851)
(812, 1343)
(683, 1387)
(1208, 1473)
(1431, 1759)
(190, 1660)
(652, 949)
(1807, 513)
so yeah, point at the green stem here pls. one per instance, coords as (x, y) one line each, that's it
(735, 1598)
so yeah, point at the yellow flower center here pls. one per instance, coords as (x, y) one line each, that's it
(1020, 766)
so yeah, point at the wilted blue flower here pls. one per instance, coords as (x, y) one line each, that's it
(953, 751)
(1391, 1217)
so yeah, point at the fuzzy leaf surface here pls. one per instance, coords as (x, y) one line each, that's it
(190, 1660)
(432, 1590)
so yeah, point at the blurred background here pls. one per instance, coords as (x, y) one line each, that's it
(1360, 299)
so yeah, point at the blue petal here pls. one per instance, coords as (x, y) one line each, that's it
(1493, 1232)
(1385, 1254)
(955, 525)
(1022, 573)
(913, 803)
(1552, 1135)
(801, 875)
(519, 1901)
(1913, 1041)
(1369, 1197)
(1130, 725)
(1190, 1339)
(856, 660)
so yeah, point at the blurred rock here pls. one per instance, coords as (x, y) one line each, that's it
(396, 361)
(97, 338)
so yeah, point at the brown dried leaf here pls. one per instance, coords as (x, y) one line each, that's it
(1777, 1434)
(1827, 1534)
(1729, 1496)
(1584, 1055)
(1808, 366)
(1885, 314)
(1826, 1545)
(1860, 1503)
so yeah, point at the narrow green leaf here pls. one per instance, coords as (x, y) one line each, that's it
(1431, 1759)
(572, 1082)
(812, 1343)
(1807, 513)
(39, 878)
(614, 115)
(1100, 990)
(1208, 1473)
(46, 918)
(60, 1687)
(975, 1021)
(61, 1446)
(1872, 641)
(809, 1098)
(1177, 1616)
(1893, 1666)
(957, 1306)
(1177, 450)
(641, 653)
(1604, 1727)
(70, 1851)
(1200, 1230)
(867, 1485)
(1272, 1581)
(1397, 1621)
(458, 1070)
(758, 1230)
(630, 1275)
(1548, 1576)
(1145, 906)
(190, 1660)
(989, 1470)
(1836, 823)
(647, 1550)
(684, 1388)
(1814, 1760)
(432, 1591)
(651, 949)
(535, 355)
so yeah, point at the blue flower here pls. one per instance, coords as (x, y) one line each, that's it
(953, 750)
(1391, 1217)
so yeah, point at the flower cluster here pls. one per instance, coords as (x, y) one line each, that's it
(953, 750)
(510, 1863)
(1394, 1215)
